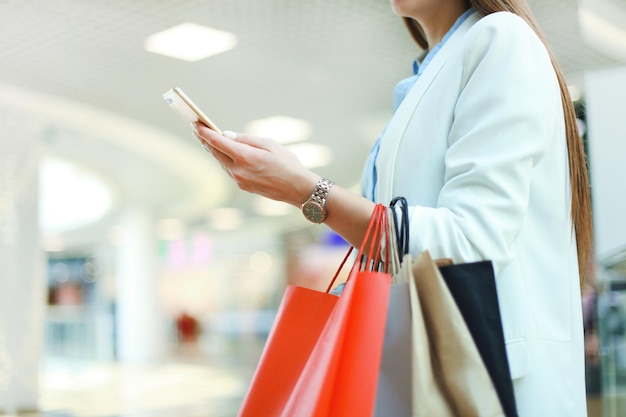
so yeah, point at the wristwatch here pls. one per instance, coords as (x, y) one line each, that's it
(314, 209)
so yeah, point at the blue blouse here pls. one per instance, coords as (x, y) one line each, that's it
(370, 174)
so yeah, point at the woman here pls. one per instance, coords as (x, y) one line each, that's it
(484, 146)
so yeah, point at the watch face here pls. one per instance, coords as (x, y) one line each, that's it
(314, 212)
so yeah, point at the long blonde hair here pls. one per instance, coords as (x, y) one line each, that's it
(579, 179)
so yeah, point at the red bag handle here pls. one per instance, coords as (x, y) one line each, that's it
(377, 230)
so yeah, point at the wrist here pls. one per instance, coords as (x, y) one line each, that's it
(302, 188)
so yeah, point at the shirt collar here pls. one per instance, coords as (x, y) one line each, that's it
(419, 65)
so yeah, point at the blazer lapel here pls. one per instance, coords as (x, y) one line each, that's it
(394, 133)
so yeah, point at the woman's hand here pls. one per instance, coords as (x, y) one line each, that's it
(264, 167)
(259, 165)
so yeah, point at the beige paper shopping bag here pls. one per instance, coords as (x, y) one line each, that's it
(449, 376)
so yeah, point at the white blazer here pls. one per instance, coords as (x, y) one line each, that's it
(478, 149)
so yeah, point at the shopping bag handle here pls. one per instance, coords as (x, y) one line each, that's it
(377, 231)
(402, 230)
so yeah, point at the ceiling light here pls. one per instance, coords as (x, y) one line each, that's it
(312, 155)
(190, 42)
(282, 129)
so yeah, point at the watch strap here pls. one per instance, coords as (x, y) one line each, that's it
(321, 190)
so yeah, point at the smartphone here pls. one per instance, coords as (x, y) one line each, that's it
(187, 109)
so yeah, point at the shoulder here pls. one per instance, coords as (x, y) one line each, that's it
(502, 36)
(503, 23)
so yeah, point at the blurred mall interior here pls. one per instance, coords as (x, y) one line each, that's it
(136, 279)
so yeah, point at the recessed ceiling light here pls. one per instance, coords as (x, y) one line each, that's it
(190, 42)
(282, 129)
(312, 155)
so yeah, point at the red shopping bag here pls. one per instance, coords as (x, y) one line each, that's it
(323, 352)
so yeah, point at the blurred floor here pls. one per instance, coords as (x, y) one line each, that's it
(192, 383)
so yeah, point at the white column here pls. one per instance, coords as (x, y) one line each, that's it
(141, 328)
(605, 93)
(22, 276)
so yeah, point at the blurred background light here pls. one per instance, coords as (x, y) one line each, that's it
(282, 129)
(225, 218)
(267, 207)
(70, 196)
(312, 155)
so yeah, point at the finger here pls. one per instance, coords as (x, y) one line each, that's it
(225, 145)
(250, 140)
(222, 158)
(197, 137)
(225, 161)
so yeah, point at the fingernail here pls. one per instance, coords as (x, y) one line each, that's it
(229, 134)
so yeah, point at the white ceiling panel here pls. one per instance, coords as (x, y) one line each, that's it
(331, 62)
